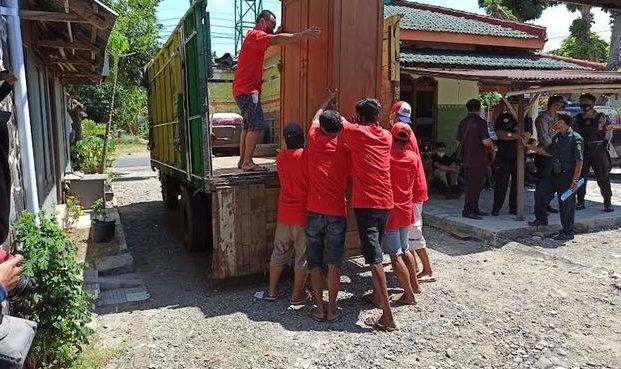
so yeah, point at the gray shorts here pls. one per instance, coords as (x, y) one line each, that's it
(252, 112)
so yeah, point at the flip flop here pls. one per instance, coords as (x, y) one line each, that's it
(303, 301)
(269, 298)
(256, 168)
(374, 322)
(427, 278)
(316, 318)
(337, 317)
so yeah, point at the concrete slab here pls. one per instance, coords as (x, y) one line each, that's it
(116, 264)
(446, 215)
(123, 296)
(137, 294)
(116, 281)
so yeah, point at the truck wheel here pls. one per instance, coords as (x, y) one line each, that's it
(170, 191)
(194, 218)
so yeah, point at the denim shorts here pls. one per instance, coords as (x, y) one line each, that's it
(371, 229)
(395, 242)
(325, 230)
(252, 112)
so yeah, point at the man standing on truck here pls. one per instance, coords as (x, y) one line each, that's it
(249, 78)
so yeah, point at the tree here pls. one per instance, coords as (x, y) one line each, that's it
(614, 61)
(117, 45)
(520, 10)
(595, 49)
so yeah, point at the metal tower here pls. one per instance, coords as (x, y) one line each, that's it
(246, 13)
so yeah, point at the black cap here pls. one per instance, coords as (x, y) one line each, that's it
(294, 136)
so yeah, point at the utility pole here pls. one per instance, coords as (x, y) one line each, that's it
(246, 13)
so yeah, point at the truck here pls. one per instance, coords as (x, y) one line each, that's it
(228, 213)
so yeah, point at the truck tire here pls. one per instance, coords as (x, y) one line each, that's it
(170, 191)
(194, 218)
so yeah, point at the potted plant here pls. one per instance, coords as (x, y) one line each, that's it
(102, 229)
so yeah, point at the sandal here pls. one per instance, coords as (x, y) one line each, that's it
(375, 323)
(316, 318)
(337, 317)
(302, 301)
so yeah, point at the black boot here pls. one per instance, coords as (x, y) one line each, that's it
(608, 206)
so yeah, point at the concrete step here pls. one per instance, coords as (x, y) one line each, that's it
(112, 282)
(123, 295)
(114, 265)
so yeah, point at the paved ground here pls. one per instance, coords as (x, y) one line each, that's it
(139, 160)
(530, 304)
(446, 214)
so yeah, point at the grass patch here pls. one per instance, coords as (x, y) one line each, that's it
(95, 356)
(131, 145)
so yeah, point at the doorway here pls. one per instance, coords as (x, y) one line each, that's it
(421, 94)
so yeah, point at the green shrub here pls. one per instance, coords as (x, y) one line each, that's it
(57, 302)
(91, 128)
(130, 140)
(86, 154)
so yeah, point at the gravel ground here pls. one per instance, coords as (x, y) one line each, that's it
(530, 304)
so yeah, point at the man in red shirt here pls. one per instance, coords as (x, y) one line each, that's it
(328, 168)
(372, 199)
(401, 112)
(289, 240)
(404, 164)
(248, 80)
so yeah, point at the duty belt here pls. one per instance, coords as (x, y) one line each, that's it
(598, 142)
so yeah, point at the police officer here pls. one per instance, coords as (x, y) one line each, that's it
(593, 126)
(508, 134)
(567, 153)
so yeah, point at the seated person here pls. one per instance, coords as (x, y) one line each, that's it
(445, 168)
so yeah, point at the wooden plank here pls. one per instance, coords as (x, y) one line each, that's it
(45, 16)
(64, 44)
(87, 13)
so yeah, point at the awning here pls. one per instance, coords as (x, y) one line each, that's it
(520, 81)
(71, 36)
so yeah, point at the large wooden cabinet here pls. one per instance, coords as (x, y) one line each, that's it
(346, 56)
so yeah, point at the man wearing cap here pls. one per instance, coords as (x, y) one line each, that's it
(593, 127)
(507, 131)
(545, 132)
(402, 112)
(289, 238)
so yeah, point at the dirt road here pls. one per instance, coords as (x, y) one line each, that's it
(530, 304)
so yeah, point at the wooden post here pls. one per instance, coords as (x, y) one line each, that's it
(520, 161)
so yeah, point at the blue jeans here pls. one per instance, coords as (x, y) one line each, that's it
(396, 241)
(371, 229)
(325, 229)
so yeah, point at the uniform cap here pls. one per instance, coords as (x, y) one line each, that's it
(403, 111)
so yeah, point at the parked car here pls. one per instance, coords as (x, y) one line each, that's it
(225, 132)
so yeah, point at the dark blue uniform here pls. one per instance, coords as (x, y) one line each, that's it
(595, 153)
(507, 161)
(566, 150)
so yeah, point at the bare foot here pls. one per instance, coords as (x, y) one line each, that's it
(372, 299)
(400, 298)
(418, 291)
(253, 168)
(239, 163)
(426, 276)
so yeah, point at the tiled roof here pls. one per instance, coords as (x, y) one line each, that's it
(462, 59)
(531, 76)
(420, 19)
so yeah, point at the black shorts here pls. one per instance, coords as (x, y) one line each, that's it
(371, 229)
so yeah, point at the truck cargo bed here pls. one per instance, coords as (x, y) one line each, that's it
(227, 166)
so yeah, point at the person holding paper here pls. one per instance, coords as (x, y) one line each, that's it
(567, 154)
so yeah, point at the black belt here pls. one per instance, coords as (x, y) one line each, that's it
(601, 142)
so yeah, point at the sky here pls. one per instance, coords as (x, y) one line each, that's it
(556, 19)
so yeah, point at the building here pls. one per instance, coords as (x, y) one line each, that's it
(49, 45)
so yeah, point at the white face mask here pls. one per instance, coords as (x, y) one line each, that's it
(441, 154)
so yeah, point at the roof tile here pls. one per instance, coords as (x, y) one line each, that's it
(448, 59)
(426, 20)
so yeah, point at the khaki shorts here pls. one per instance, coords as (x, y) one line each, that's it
(289, 247)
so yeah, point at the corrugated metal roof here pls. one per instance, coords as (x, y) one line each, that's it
(525, 75)
(449, 58)
(427, 20)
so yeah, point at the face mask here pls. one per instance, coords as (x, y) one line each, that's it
(586, 107)
(441, 154)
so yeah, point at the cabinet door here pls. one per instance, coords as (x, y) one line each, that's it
(292, 88)
(357, 59)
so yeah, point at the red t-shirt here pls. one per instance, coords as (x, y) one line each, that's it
(328, 169)
(370, 147)
(403, 173)
(293, 175)
(249, 73)
(421, 192)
